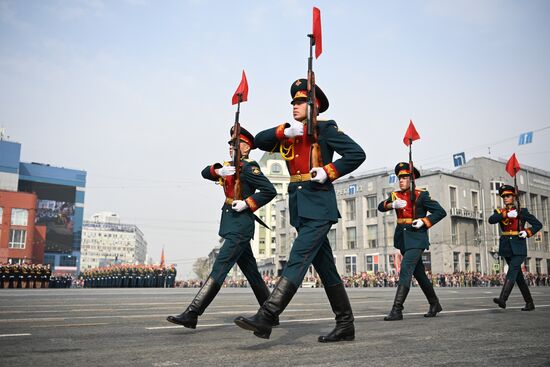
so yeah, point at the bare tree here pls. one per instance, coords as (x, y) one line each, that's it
(201, 267)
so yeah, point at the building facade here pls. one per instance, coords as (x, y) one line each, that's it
(58, 209)
(21, 240)
(107, 241)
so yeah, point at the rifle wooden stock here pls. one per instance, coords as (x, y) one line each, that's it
(316, 157)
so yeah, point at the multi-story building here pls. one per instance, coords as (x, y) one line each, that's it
(463, 241)
(50, 200)
(107, 241)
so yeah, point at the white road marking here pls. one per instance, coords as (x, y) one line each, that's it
(70, 325)
(10, 335)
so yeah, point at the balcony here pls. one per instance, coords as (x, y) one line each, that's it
(466, 213)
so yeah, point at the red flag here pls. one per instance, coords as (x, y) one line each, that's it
(162, 260)
(411, 134)
(512, 166)
(317, 34)
(242, 89)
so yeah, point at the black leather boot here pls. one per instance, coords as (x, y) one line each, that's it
(435, 306)
(396, 312)
(262, 322)
(189, 317)
(339, 301)
(262, 294)
(526, 293)
(504, 293)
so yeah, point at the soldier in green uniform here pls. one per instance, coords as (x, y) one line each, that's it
(513, 246)
(236, 228)
(411, 238)
(313, 210)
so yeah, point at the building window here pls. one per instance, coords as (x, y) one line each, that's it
(350, 209)
(454, 232)
(18, 237)
(332, 238)
(475, 202)
(544, 205)
(282, 244)
(452, 193)
(283, 218)
(527, 267)
(351, 265)
(372, 236)
(456, 261)
(534, 207)
(467, 258)
(1, 212)
(538, 265)
(478, 262)
(276, 168)
(372, 206)
(351, 234)
(19, 217)
(369, 263)
(427, 260)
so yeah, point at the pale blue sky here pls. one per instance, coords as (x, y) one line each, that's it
(138, 93)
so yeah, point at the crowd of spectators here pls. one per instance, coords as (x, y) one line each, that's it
(381, 279)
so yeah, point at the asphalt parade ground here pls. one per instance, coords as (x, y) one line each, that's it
(127, 327)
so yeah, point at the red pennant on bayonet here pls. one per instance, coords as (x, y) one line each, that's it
(512, 166)
(242, 90)
(411, 134)
(317, 34)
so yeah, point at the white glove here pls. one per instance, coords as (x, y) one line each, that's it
(296, 129)
(225, 171)
(512, 213)
(318, 174)
(417, 223)
(399, 204)
(522, 234)
(239, 205)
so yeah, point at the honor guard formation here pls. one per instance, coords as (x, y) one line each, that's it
(317, 152)
(308, 145)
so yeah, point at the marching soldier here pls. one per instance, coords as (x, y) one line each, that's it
(411, 238)
(237, 229)
(313, 210)
(513, 245)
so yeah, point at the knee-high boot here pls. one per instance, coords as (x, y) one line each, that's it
(339, 301)
(262, 294)
(526, 293)
(189, 317)
(504, 293)
(262, 322)
(435, 306)
(396, 312)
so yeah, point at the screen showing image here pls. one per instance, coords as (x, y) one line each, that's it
(58, 217)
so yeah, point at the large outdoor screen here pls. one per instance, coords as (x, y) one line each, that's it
(58, 217)
(55, 210)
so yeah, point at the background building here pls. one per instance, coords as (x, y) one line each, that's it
(107, 241)
(54, 222)
(463, 241)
